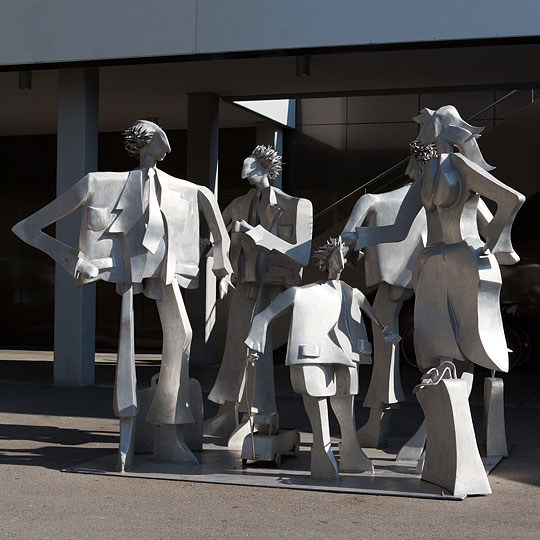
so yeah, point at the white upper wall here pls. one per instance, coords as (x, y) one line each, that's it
(72, 30)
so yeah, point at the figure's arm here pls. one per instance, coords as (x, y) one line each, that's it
(483, 217)
(256, 339)
(29, 230)
(207, 202)
(227, 216)
(359, 213)
(389, 335)
(299, 251)
(398, 231)
(497, 232)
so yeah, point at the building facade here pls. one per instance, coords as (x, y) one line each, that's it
(74, 75)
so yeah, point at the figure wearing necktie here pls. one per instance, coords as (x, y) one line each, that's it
(270, 243)
(140, 230)
(326, 344)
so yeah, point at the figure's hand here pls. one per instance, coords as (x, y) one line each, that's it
(224, 286)
(507, 257)
(205, 247)
(390, 336)
(241, 226)
(253, 356)
(349, 238)
(355, 240)
(87, 269)
(254, 343)
(220, 271)
(362, 237)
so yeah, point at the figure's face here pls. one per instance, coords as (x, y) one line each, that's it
(253, 171)
(429, 129)
(158, 147)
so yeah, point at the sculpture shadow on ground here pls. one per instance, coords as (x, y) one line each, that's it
(61, 447)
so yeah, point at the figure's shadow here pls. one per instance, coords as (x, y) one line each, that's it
(62, 447)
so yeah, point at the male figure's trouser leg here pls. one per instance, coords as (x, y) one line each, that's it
(171, 403)
(125, 385)
(230, 379)
(385, 390)
(227, 389)
(234, 374)
(260, 386)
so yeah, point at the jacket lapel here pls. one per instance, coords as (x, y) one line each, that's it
(129, 206)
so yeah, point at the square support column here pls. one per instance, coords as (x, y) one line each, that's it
(202, 168)
(77, 151)
(270, 134)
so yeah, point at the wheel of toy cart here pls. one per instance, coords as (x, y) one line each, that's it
(244, 462)
(277, 460)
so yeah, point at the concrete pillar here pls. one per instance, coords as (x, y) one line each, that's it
(77, 147)
(202, 168)
(270, 134)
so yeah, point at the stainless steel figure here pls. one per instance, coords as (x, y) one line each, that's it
(140, 230)
(390, 267)
(325, 347)
(456, 277)
(270, 243)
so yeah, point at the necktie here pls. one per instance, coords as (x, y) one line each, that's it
(154, 225)
(253, 213)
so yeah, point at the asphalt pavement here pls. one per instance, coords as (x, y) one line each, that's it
(44, 429)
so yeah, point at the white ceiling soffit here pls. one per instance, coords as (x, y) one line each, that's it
(281, 111)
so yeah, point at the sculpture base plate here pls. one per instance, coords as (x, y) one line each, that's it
(222, 465)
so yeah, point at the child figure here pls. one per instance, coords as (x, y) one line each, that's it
(327, 341)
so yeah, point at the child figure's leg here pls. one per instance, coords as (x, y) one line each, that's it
(315, 383)
(352, 458)
(323, 462)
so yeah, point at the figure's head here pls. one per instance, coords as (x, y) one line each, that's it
(445, 127)
(332, 256)
(262, 166)
(146, 139)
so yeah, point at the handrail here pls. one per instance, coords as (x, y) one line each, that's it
(402, 162)
(492, 105)
(363, 186)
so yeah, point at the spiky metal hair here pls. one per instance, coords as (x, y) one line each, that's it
(323, 253)
(138, 136)
(269, 159)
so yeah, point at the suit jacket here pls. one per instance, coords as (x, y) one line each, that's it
(276, 249)
(113, 225)
(326, 325)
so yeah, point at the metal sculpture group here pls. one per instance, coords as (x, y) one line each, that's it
(435, 237)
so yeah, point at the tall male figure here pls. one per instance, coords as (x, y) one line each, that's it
(270, 243)
(140, 230)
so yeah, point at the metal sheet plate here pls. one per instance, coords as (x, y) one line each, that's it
(221, 465)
